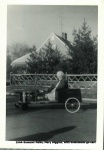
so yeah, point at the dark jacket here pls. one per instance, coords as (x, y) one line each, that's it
(62, 85)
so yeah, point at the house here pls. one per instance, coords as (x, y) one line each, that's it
(61, 42)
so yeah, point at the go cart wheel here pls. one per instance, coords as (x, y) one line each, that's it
(72, 105)
(24, 106)
(17, 105)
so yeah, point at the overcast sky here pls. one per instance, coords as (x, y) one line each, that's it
(32, 24)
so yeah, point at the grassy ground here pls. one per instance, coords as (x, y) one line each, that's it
(89, 93)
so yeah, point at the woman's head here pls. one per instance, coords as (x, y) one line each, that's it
(60, 75)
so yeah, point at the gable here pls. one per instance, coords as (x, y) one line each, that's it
(55, 41)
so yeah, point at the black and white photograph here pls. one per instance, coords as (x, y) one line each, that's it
(51, 85)
(52, 94)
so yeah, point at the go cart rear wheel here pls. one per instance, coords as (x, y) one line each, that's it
(72, 105)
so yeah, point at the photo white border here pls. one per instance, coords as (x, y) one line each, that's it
(3, 45)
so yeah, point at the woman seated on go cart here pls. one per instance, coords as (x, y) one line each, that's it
(61, 84)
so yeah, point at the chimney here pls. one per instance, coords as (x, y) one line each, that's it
(64, 36)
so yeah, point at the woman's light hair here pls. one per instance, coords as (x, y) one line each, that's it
(60, 73)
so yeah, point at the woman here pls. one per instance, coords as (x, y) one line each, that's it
(61, 84)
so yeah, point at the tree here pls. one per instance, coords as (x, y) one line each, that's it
(84, 51)
(51, 58)
(46, 61)
(32, 63)
(8, 67)
(17, 50)
(65, 65)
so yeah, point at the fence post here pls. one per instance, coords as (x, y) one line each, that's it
(66, 75)
(35, 78)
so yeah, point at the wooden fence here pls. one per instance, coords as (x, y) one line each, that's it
(85, 81)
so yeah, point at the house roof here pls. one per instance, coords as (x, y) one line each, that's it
(22, 60)
(66, 42)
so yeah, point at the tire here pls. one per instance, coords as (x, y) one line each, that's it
(72, 105)
(17, 105)
(24, 106)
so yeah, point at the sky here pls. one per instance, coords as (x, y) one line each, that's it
(33, 24)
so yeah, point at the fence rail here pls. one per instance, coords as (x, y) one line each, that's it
(74, 81)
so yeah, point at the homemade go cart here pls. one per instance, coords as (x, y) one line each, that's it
(71, 98)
